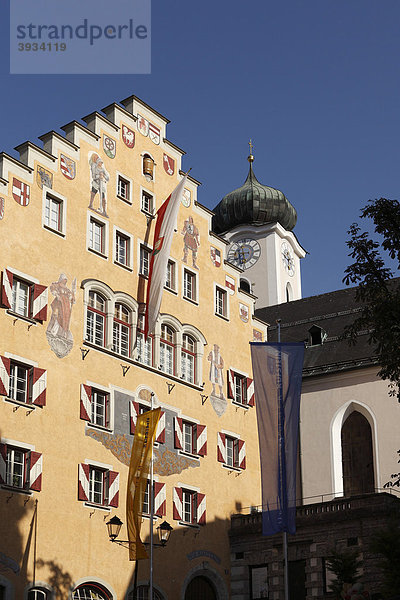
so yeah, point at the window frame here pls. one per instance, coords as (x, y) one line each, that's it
(221, 297)
(103, 225)
(185, 354)
(127, 181)
(147, 207)
(240, 389)
(144, 254)
(150, 341)
(171, 266)
(95, 394)
(61, 228)
(192, 295)
(122, 324)
(91, 310)
(17, 282)
(192, 496)
(120, 233)
(16, 364)
(166, 344)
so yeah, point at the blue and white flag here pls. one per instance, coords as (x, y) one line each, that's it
(277, 372)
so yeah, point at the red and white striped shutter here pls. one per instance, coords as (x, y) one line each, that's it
(201, 509)
(160, 499)
(83, 482)
(178, 433)
(113, 488)
(35, 472)
(6, 289)
(160, 433)
(86, 402)
(201, 443)
(39, 386)
(3, 462)
(231, 383)
(250, 391)
(134, 410)
(242, 454)
(177, 504)
(4, 376)
(39, 305)
(221, 448)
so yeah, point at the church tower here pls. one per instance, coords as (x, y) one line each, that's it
(257, 221)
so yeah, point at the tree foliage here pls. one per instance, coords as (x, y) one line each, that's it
(387, 543)
(378, 292)
(344, 565)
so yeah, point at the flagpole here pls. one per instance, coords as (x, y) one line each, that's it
(151, 491)
(283, 471)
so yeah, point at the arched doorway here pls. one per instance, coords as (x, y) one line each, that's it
(357, 456)
(200, 588)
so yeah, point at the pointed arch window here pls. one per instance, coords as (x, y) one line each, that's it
(357, 455)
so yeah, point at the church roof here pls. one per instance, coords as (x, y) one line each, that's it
(253, 203)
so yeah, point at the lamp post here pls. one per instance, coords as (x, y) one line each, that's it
(114, 527)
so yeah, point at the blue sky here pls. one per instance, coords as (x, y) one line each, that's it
(314, 83)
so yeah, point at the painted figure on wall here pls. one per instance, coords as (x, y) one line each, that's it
(99, 179)
(216, 377)
(58, 333)
(191, 241)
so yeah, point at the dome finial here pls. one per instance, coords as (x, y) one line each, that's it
(250, 158)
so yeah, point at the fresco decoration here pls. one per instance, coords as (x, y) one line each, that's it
(215, 256)
(109, 146)
(44, 177)
(257, 336)
(128, 136)
(8, 564)
(58, 333)
(169, 164)
(166, 462)
(142, 125)
(21, 192)
(2, 207)
(154, 134)
(186, 198)
(244, 312)
(216, 377)
(191, 241)
(230, 284)
(67, 167)
(99, 177)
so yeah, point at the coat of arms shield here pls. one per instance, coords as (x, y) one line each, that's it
(215, 256)
(154, 134)
(21, 192)
(169, 164)
(44, 177)
(67, 167)
(2, 207)
(128, 136)
(110, 146)
(142, 125)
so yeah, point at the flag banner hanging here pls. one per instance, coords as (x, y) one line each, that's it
(167, 216)
(142, 450)
(277, 372)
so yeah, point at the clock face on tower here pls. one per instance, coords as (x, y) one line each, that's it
(287, 258)
(244, 253)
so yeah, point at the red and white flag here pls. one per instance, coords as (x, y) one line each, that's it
(167, 216)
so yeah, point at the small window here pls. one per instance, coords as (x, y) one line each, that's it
(240, 389)
(20, 382)
(20, 469)
(145, 255)
(245, 286)
(147, 204)
(189, 506)
(23, 297)
(232, 451)
(124, 188)
(22, 293)
(142, 593)
(148, 167)
(91, 592)
(189, 285)
(220, 302)
(37, 594)
(97, 486)
(122, 249)
(96, 319)
(170, 279)
(167, 350)
(316, 335)
(189, 437)
(97, 236)
(188, 358)
(144, 348)
(53, 213)
(122, 330)
(100, 408)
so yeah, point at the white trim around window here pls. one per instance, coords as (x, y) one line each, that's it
(129, 195)
(99, 247)
(140, 245)
(110, 396)
(219, 311)
(190, 284)
(173, 287)
(54, 212)
(149, 209)
(123, 257)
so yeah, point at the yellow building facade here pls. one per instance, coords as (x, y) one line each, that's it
(77, 224)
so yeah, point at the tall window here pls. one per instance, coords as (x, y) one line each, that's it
(21, 297)
(240, 389)
(188, 358)
(189, 437)
(170, 275)
(97, 236)
(145, 254)
(121, 330)
(357, 455)
(144, 348)
(17, 468)
(96, 319)
(147, 204)
(53, 213)
(19, 382)
(97, 486)
(220, 302)
(100, 407)
(232, 451)
(122, 249)
(189, 506)
(189, 285)
(123, 188)
(167, 349)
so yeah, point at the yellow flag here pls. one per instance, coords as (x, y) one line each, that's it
(139, 468)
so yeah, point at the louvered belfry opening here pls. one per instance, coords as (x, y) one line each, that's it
(357, 456)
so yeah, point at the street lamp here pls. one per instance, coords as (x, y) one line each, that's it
(114, 527)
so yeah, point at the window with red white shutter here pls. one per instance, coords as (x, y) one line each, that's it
(24, 298)
(98, 486)
(20, 469)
